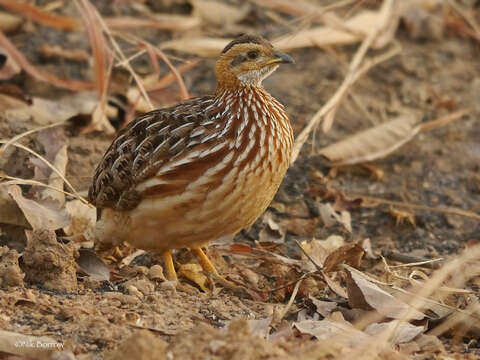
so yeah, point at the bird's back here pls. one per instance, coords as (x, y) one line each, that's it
(141, 148)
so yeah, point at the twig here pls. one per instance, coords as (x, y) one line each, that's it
(19, 181)
(444, 120)
(349, 80)
(53, 168)
(318, 267)
(446, 210)
(409, 260)
(131, 58)
(292, 297)
(125, 61)
(40, 16)
(469, 19)
(150, 47)
(3, 148)
(354, 73)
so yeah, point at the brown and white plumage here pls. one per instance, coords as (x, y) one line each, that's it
(205, 168)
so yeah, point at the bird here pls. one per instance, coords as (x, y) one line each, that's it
(182, 176)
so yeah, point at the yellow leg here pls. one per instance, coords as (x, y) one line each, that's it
(205, 261)
(209, 268)
(169, 268)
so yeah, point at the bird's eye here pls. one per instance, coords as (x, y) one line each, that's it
(252, 54)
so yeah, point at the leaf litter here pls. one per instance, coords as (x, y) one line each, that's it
(330, 299)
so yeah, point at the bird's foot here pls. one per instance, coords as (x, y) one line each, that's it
(214, 276)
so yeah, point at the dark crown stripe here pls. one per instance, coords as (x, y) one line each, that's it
(244, 39)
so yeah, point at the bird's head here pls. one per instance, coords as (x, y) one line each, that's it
(246, 61)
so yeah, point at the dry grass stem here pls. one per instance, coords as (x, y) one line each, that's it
(444, 120)
(166, 22)
(292, 297)
(126, 63)
(183, 89)
(18, 181)
(464, 13)
(443, 210)
(333, 102)
(53, 168)
(26, 133)
(420, 263)
(40, 16)
(21, 60)
(151, 49)
(102, 62)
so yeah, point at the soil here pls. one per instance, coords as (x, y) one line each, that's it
(140, 315)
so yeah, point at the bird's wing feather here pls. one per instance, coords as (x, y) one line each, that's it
(148, 146)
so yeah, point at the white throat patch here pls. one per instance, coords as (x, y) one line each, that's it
(255, 77)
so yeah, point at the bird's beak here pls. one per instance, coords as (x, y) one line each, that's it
(280, 58)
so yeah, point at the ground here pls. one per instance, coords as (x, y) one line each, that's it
(421, 201)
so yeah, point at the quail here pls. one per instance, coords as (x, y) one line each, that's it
(207, 167)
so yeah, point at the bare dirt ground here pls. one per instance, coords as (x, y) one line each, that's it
(419, 203)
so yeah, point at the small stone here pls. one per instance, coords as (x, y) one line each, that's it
(132, 290)
(143, 285)
(156, 273)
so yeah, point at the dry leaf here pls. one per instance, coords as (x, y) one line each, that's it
(373, 143)
(209, 47)
(367, 247)
(403, 333)
(318, 250)
(10, 213)
(350, 254)
(341, 32)
(167, 22)
(335, 286)
(340, 330)
(324, 308)
(350, 31)
(39, 215)
(366, 295)
(92, 265)
(219, 13)
(55, 181)
(83, 217)
(271, 231)
(46, 112)
(330, 217)
(194, 272)
(102, 63)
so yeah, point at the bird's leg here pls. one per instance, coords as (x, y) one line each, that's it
(169, 268)
(205, 261)
(210, 269)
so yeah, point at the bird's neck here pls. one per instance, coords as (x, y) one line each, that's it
(250, 105)
(239, 89)
(249, 97)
